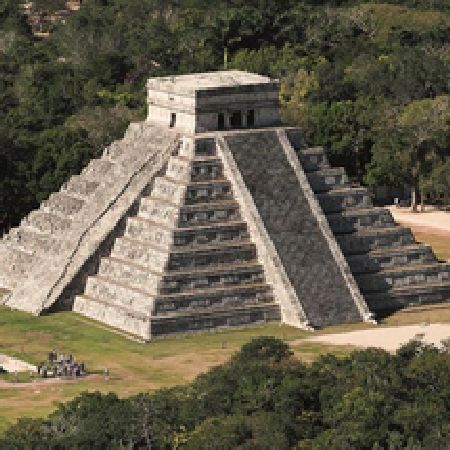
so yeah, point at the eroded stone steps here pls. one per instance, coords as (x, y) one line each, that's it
(326, 179)
(313, 159)
(31, 241)
(158, 210)
(216, 319)
(391, 257)
(114, 315)
(47, 222)
(180, 258)
(354, 219)
(143, 253)
(236, 296)
(207, 191)
(134, 303)
(14, 263)
(236, 274)
(208, 213)
(403, 276)
(369, 239)
(206, 169)
(128, 272)
(81, 187)
(400, 297)
(147, 327)
(106, 288)
(143, 229)
(339, 199)
(212, 256)
(141, 277)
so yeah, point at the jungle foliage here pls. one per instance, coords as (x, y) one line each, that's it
(362, 78)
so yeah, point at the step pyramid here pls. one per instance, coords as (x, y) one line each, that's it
(182, 226)
(391, 268)
(185, 261)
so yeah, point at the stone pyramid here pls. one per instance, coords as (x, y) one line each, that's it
(211, 215)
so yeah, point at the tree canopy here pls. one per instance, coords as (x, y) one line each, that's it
(264, 398)
(353, 74)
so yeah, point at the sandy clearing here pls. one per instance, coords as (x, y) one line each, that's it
(11, 364)
(388, 338)
(438, 220)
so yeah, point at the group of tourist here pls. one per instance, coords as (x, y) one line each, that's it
(60, 365)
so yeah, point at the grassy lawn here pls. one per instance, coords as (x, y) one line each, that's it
(438, 241)
(133, 367)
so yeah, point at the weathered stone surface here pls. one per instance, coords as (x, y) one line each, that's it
(109, 190)
(292, 227)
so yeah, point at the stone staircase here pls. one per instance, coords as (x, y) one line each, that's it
(185, 261)
(392, 270)
(47, 251)
(312, 272)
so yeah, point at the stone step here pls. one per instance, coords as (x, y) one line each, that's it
(179, 169)
(47, 223)
(141, 252)
(169, 189)
(97, 169)
(337, 200)
(116, 150)
(159, 210)
(14, 266)
(216, 319)
(64, 204)
(117, 293)
(391, 257)
(327, 178)
(142, 229)
(31, 241)
(209, 213)
(211, 234)
(403, 276)
(205, 147)
(397, 298)
(247, 289)
(351, 220)
(208, 191)
(211, 256)
(127, 272)
(373, 239)
(189, 281)
(116, 316)
(313, 159)
(206, 169)
(80, 186)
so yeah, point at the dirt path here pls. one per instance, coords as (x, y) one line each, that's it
(430, 219)
(388, 338)
(12, 365)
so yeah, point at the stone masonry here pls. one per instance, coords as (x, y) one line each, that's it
(211, 215)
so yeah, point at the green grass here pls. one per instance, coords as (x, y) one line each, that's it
(134, 367)
(439, 241)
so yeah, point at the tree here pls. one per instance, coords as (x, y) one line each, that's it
(424, 124)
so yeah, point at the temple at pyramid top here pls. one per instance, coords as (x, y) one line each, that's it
(213, 101)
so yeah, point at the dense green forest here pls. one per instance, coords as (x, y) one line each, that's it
(266, 399)
(369, 81)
